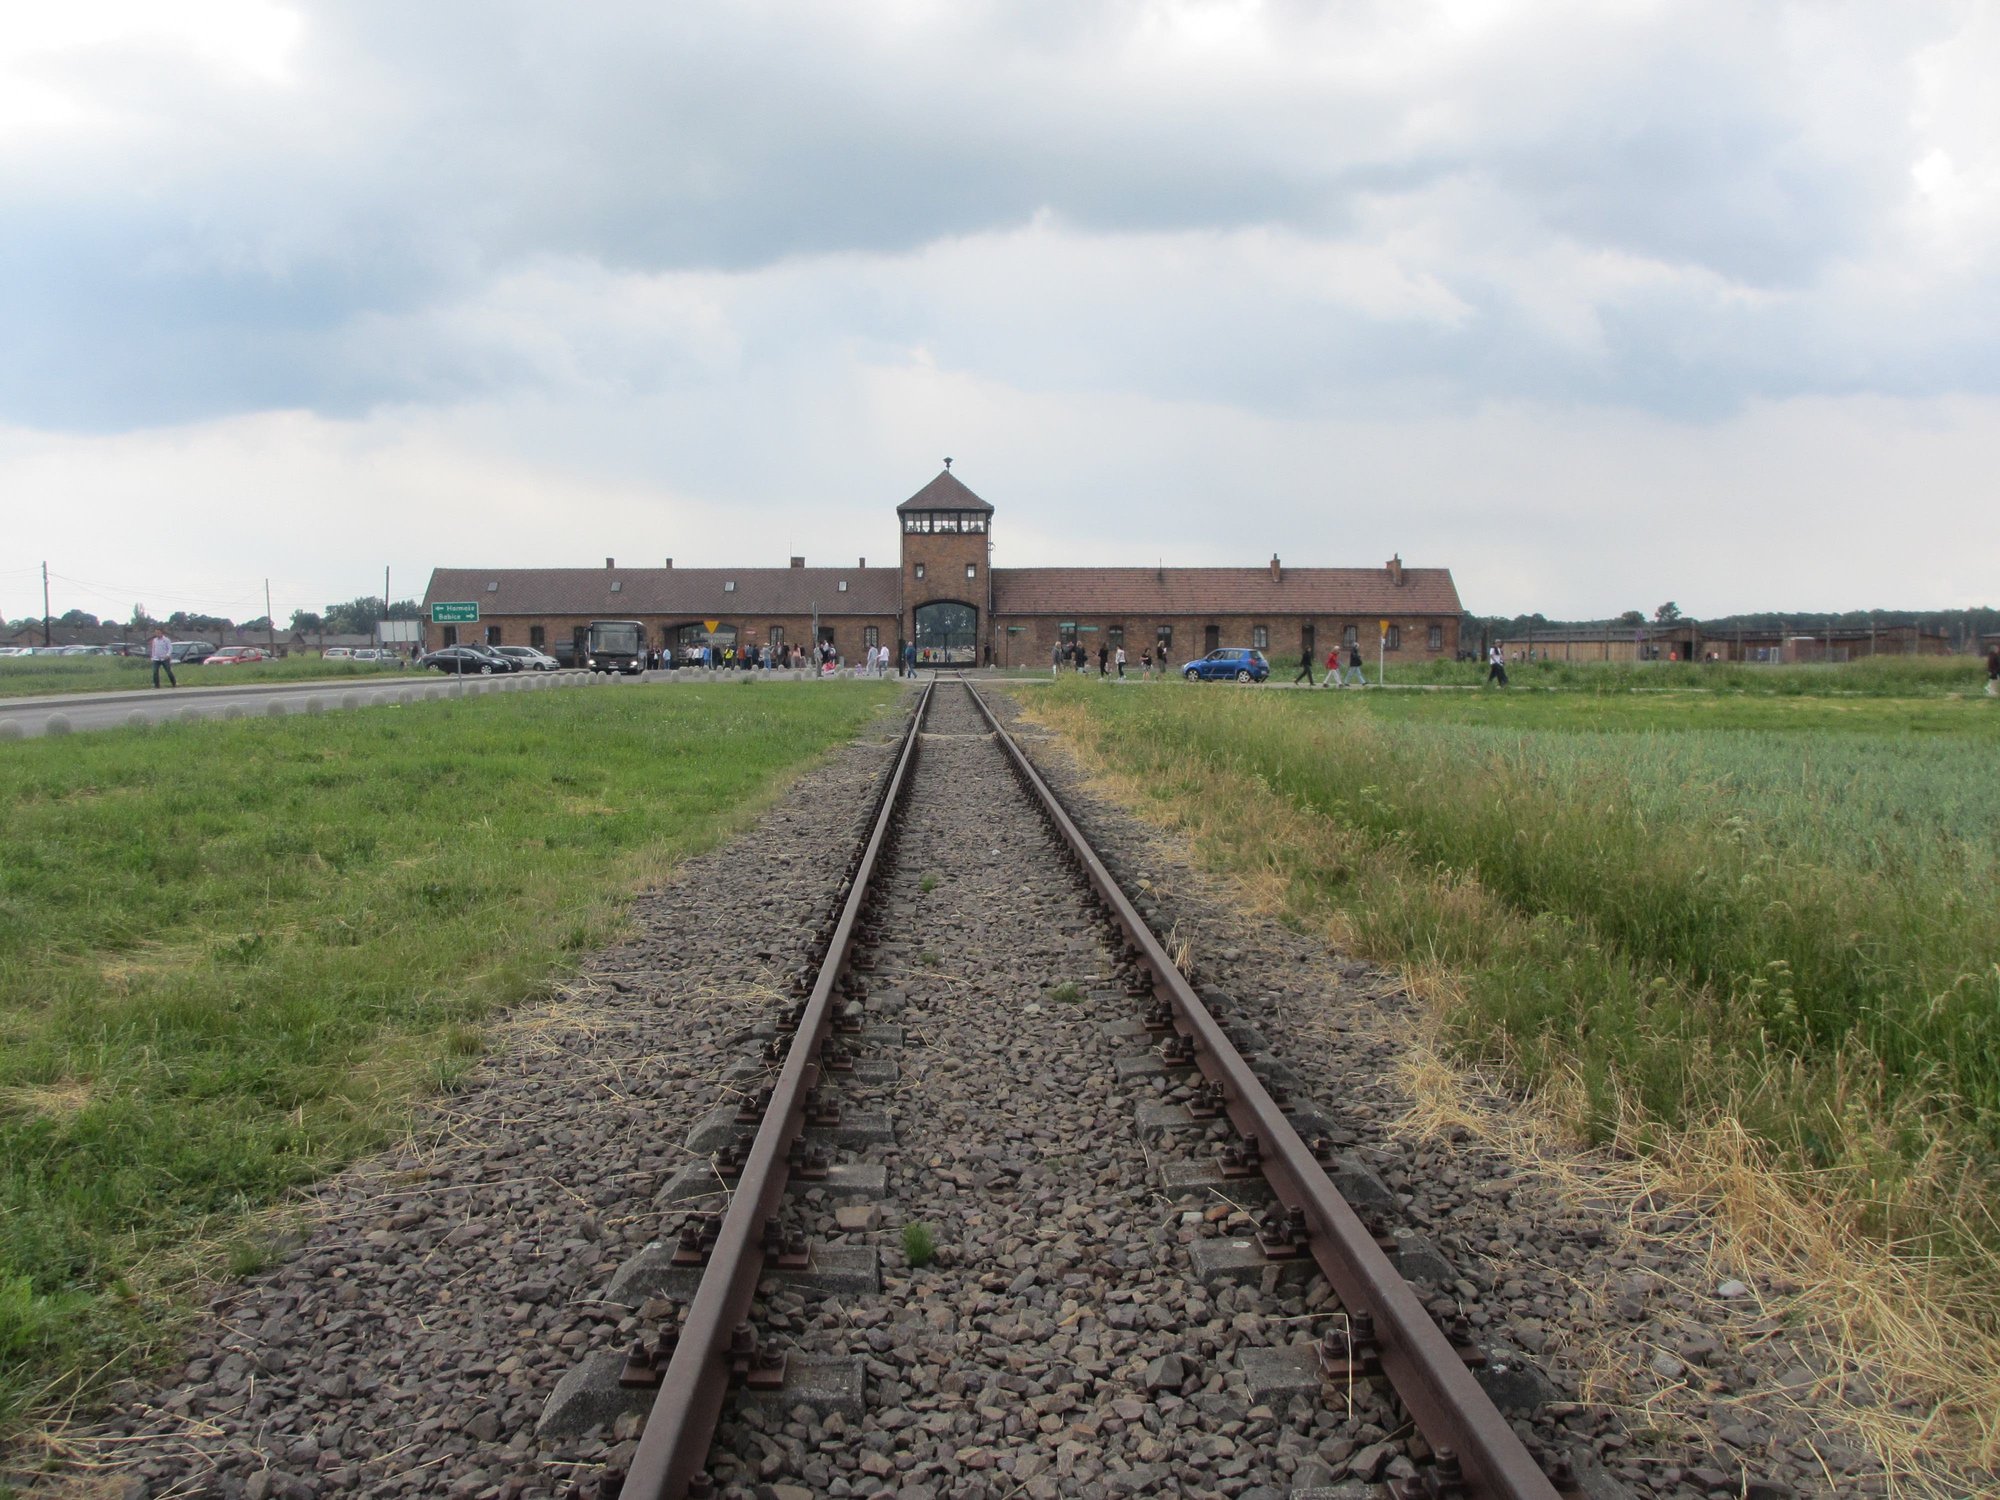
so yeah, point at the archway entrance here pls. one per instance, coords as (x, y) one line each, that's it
(947, 634)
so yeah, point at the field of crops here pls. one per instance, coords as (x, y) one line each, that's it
(1787, 920)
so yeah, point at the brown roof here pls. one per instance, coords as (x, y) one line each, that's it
(1222, 591)
(944, 493)
(695, 593)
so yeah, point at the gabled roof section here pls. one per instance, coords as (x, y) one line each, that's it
(1223, 591)
(695, 593)
(944, 493)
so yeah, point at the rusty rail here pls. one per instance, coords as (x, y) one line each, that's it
(673, 1450)
(1447, 1404)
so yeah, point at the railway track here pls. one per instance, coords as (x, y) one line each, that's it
(1260, 1228)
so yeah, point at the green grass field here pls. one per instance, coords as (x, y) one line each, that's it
(1877, 677)
(233, 954)
(38, 676)
(1771, 907)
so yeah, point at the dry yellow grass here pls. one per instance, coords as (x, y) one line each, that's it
(1921, 1331)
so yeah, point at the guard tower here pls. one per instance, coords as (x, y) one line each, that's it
(947, 583)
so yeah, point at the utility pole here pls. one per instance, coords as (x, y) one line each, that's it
(382, 635)
(270, 625)
(45, 604)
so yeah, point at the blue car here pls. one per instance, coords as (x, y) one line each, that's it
(1230, 663)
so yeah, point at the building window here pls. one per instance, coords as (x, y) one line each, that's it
(975, 522)
(920, 570)
(1307, 646)
(1066, 632)
(1164, 634)
(826, 635)
(1435, 637)
(871, 636)
(617, 585)
(843, 585)
(1114, 636)
(972, 570)
(493, 588)
(536, 635)
(946, 522)
(1349, 635)
(492, 635)
(1260, 637)
(451, 635)
(1211, 637)
(729, 587)
(1395, 638)
(776, 635)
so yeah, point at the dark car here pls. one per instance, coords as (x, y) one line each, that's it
(468, 659)
(194, 652)
(1238, 663)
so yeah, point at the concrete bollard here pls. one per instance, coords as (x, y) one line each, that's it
(234, 711)
(276, 709)
(137, 719)
(56, 724)
(315, 704)
(9, 730)
(188, 716)
(350, 700)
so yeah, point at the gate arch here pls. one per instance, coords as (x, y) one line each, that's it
(946, 633)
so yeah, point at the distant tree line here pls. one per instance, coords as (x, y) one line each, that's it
(1963, 626)
(355, 617)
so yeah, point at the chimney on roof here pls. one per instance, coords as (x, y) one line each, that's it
(864, 562)
(670, 562)
(1277, 573)
(1395, 567)
(610, 562)
(798, 562)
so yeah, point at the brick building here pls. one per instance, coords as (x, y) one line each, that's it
(944, 595)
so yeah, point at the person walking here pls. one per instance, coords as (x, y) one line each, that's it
(1119, 661)
(1305, 667)
(1993, 671)
(1056, 655)
(1332, 677)
(1496, 666)
(160, 651)
(1103, 662)
(1354, 664)
(1146, 665)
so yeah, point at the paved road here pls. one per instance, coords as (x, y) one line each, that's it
(66, 713)
(79, 711)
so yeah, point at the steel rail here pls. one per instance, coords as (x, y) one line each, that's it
(1448, 1405)
(681, 1425)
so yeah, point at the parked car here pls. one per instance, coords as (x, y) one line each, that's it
(466, 659)
(82, 651)
(1237, 662)
(530, 659)
(230, 656)
(17, 651)
(193, 651)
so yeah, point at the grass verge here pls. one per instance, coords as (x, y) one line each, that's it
(232, 956)
(39, 676)
(1797, 992)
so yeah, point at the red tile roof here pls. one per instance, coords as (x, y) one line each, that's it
(694, 593)
(1222, 591)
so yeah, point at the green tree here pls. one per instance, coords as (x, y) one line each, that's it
(76, 619)
(1667, 613)
(1631, 617)
(307, 622)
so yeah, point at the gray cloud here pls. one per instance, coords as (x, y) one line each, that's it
(360, 233)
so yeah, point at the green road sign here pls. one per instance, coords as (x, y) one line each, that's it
(455, 614)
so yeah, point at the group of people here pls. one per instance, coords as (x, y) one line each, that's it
(1109, 658)
(1335, 677)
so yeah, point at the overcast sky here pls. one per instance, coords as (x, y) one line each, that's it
(1597, 304)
